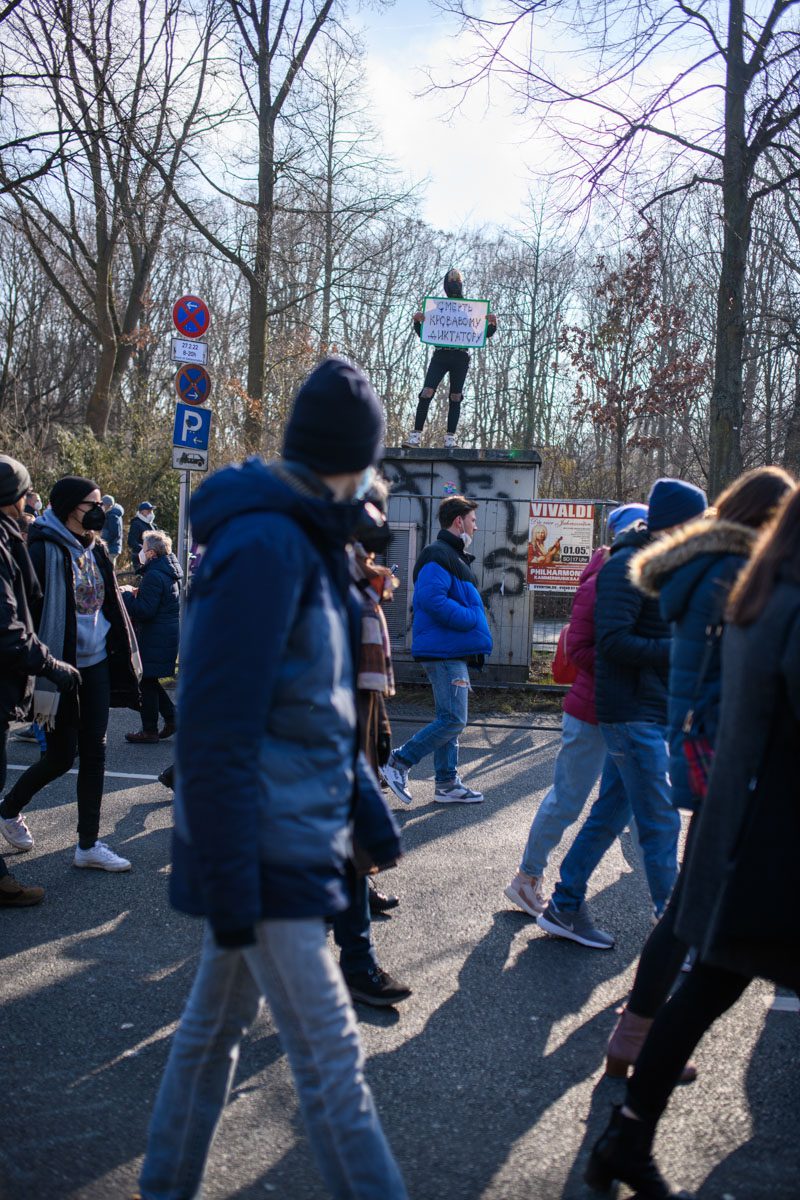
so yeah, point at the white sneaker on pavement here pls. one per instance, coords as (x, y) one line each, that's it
(396, 776)
(411, 440)
(456, 793)
(101, 857)
(16, 832)
(526, 892)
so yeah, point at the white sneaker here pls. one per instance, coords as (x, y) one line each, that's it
(16, 833)
(456, 793)
(412, 439)
(450, 441)
(396, 776)
(102, 857)
(527, 894)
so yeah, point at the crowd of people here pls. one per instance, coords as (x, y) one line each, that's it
(685, 640)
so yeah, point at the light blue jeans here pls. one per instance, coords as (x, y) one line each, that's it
(450, 682)
(578, 765)
(638, 758)
(292, 967)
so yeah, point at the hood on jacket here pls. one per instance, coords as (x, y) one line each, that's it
(651, 569)
(166, 564)
(636, 536)
(116, 510)
(48, 528)
(255, 486)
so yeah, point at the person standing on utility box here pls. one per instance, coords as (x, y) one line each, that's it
(445, 360)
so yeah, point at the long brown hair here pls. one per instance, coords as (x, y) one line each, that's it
(753, 498)
(777, 553)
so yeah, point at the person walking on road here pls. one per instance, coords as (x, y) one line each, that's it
(268, 775)
(143, 520)
(111, 533)
(155, 608)
(80, 616)
(747, 828)
(691, 573)
(631, 670)
(582, 753)
(450, 633)
(22, 655)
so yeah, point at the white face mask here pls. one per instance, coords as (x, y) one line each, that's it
(143, 556)
(466, 539)
(147, 516)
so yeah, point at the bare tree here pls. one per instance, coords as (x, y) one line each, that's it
(106, 75)
(750, 59)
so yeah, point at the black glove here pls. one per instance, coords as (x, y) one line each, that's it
(62, 674)
(384, 746)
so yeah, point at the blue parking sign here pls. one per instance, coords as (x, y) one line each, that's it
(192, 427)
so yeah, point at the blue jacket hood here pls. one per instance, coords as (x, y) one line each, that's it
(256, 486)
(165, 564)
(117, 510)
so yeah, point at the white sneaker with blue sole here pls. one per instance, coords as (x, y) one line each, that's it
(396, 775)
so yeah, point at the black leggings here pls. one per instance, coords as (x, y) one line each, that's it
(80, 726)
(3, 772)
(705, 994)
(154, 701)
(663, 953)
(444, 361)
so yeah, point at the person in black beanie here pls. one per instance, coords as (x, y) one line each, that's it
(268, 779)
(22, 655)
(445, 360)
(79, 615)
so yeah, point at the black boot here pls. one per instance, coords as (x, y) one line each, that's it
(624, 1152)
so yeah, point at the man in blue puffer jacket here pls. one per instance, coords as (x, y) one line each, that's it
(450, 631)
(268, 778)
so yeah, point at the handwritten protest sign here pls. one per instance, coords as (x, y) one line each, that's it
(454, 322)
(559, 544)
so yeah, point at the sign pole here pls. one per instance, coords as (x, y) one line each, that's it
(183, 526)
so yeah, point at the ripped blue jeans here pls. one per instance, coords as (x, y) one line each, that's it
(450, 682)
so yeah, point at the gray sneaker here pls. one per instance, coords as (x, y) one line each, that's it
(396, 775)
(577, 926)
(456, 793)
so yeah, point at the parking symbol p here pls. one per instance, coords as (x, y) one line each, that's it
(192, 423)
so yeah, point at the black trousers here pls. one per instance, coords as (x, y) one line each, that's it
(444, 361)
(663, 953)
(80, 725)
(705, 994)
(154, 701)
(3, 773)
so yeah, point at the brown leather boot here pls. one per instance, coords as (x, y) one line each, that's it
(625, 1043)
(14, 895)
(142, 736)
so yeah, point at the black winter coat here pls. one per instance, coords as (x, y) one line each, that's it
(138, 528)
(633, 641)
(22, 655)
(747, 833)
(155, 612)
(119, 646)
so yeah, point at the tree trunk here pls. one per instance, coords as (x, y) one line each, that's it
(725, 431)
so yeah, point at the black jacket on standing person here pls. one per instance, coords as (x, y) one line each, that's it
(119, 645)
(138, 528)
(155, 612)
(739, 903)
(22, 655)
(633, 641)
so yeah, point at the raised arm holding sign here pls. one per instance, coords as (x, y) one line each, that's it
(451, 324)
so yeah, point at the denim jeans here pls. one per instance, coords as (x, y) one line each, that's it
(578, 766)
(450, 682)
(292, 967)
(634, 782)
(353, 934)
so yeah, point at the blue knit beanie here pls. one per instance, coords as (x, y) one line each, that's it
(336, 423)
(623, 517)
(672, 502)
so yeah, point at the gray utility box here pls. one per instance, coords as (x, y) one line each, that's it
(504, 483)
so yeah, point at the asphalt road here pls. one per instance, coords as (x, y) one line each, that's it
(489, 1079)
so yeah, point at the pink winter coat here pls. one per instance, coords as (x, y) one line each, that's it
(579, 700)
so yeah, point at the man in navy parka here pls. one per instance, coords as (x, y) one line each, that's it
(268, 778)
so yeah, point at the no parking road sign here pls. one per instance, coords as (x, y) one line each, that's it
(192, 427)
(190, 316)
(193, 384)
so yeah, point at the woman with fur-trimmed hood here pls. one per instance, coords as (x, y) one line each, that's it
(691, 571)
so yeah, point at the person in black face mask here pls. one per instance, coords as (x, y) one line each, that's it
(82, 615)
(445, 360)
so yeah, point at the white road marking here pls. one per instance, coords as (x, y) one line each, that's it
(74, 771)
(790, 1004)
